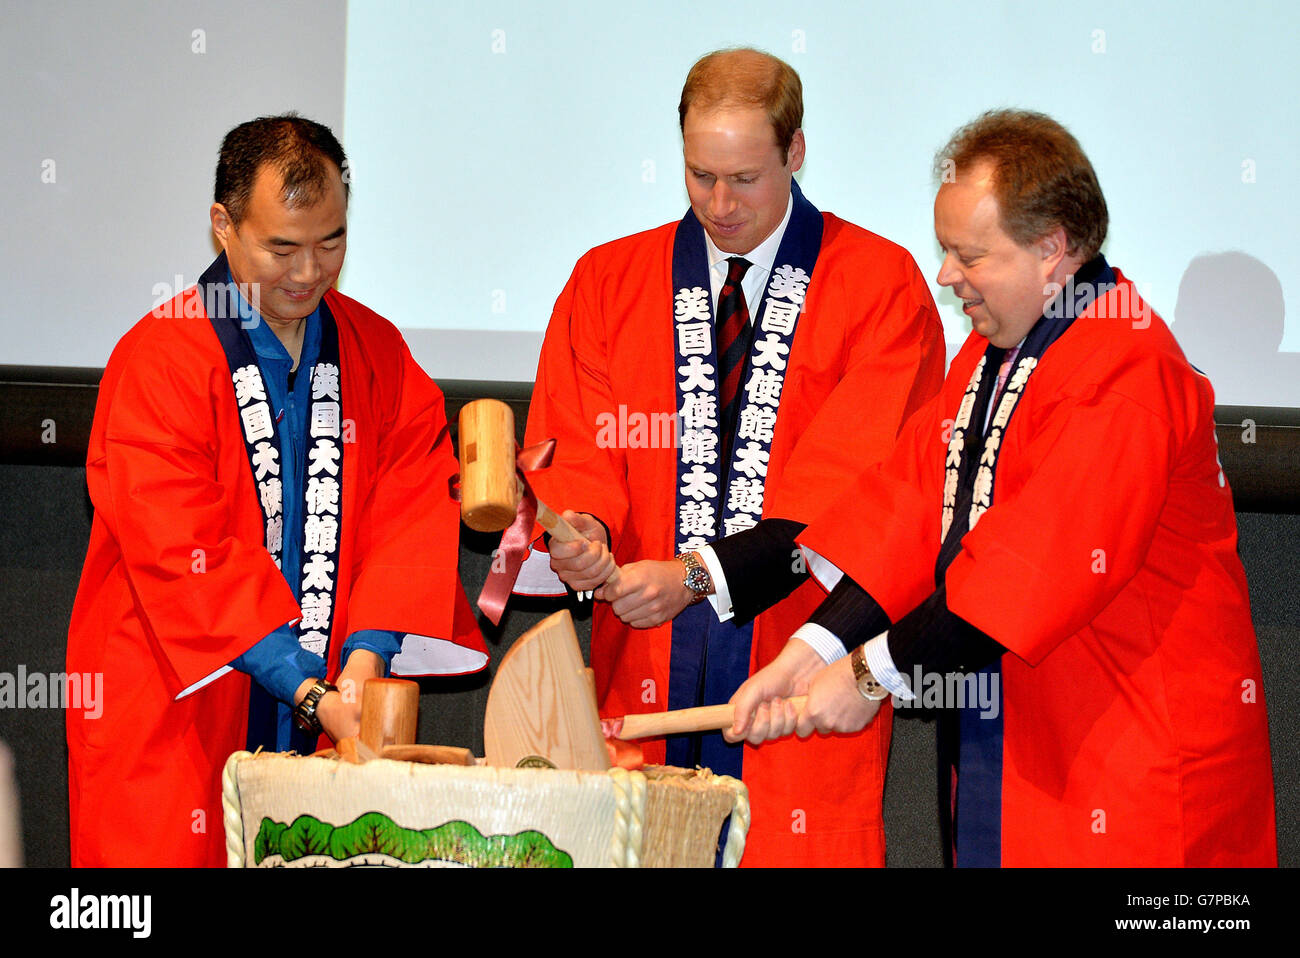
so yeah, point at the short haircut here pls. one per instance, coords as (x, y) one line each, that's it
(1041, 177)
(298, 149)
(745, 77)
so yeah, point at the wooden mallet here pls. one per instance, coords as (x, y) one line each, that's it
(390, 711)
(490, 489)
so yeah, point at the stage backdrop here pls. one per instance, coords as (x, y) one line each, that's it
(492, 143)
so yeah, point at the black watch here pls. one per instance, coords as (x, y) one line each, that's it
(304, 713)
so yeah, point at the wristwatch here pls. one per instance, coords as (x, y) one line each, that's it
(870, 689)
(697, 577)
(304, 713)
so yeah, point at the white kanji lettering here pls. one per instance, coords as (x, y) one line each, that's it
(764, 387)
(991, 443)
(258, 423)
(266, 460)
(701, 447)
(1021, 375)
(271, 495)
(248, 385)
(770, 351)
(691, 303)
(751, 459)
(316, 573)
(322, 496)
(696, 519)
(745, 495)
(756, 422)
(694, 339)
(325, 419)
(324, 456)
(779, 317)
(950, 489)
(316, 610)
(699, 411)
(275, 537)
(790, 282)
(700, 485)
(954, 448)
(696, 373)
(738, 523)
(320, 534)
(314, 642)
(325, 381)
(1003, 414)
(692, 543)
(983, 487)
(964, 410)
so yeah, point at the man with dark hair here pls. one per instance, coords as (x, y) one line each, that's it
(788, 347)
(1048, 556)
(269, 470)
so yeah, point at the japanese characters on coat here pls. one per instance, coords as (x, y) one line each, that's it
(697, 399)
(322, 493)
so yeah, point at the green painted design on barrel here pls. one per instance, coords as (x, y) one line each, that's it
(376, 833)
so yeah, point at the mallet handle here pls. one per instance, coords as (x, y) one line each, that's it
(562, 530)
(706, 718)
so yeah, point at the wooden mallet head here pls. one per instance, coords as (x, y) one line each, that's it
(489, 488)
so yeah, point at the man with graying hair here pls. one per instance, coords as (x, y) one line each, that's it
(1056, 524)
(269, 470)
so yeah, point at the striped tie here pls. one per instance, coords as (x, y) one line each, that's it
(733, 345)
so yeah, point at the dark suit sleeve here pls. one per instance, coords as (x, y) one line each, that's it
(760, 566)
(930, 636)
(936, 639)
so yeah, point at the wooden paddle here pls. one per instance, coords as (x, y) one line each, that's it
(541, 705)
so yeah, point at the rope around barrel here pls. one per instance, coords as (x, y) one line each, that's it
(232, 817)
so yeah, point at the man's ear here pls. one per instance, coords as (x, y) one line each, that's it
(1053, 248)
(796, 154)
(222, 225)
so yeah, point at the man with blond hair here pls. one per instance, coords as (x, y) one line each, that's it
(790, 346)
(1049, 556)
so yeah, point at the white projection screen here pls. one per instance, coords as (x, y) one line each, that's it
(492, 143)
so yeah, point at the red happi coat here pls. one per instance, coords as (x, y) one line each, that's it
(177, 582)
(867, 352)
(1135, 731)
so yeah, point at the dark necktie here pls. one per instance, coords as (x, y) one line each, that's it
(733, 345)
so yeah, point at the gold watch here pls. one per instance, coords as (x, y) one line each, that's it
(870, 689)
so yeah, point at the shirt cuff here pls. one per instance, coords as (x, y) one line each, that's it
(279, 664)
(721, 598)
(824, 642)
(882, 667)
(383, 644)
(827, 574)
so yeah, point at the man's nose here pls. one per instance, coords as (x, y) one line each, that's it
(306, 267)
(722, 200)
(949, 273)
